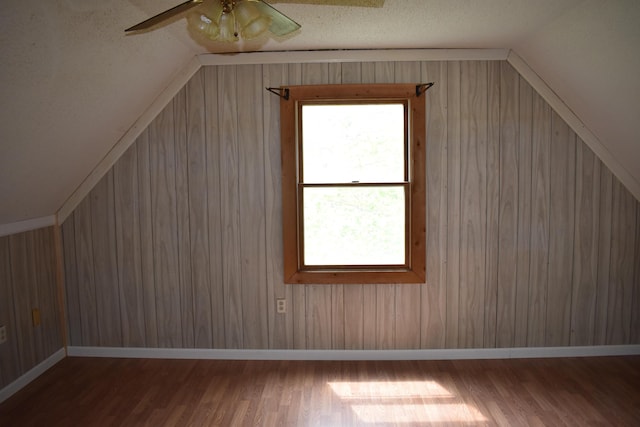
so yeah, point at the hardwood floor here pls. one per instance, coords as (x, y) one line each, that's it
(130, 392)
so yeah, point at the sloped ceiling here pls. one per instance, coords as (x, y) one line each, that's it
(72, 83)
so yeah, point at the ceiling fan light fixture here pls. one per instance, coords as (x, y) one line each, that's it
(224, 20)
(252, 22)
(228, 28)
(204, 25)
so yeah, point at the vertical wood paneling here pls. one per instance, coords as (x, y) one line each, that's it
(540, 199)
(319, 325)
(72, 304)
(492, 254)
(230, 206)
(199, 256)
(162, 165)
(214, 182)
(105, 263)
(252, 206)
(353, 317)
(147, 264)
(473, 159)
(622, 265)
(25, 299)
(454, 120)
(604, 255)
(86, 284)
(561, 226)
(28, 281)
(34, 283)
(434, 303)
(531, 241)
(9, 356)
(585, 259)
(525, 161)
(338, 323)
(182, 218)
(47, 291)
(280, 326)
(127, 229)
(508, 229)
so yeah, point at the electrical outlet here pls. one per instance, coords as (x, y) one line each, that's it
(3, 334)
(35, 316)
(281, 305)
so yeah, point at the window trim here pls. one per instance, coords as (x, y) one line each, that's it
(289, 119)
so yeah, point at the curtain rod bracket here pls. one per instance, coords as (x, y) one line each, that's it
(422, 88)
(282, 92)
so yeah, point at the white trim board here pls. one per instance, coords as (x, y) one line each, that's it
(31, 375)
(27, 225)
(328, 355)
(575, 123)
(374, 55)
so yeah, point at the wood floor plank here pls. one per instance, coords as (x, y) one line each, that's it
(563, 391)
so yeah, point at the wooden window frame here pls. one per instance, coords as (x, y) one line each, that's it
(414, 270)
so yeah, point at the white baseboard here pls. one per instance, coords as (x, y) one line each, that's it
(223, 354)
(31, 375)
(452, 354)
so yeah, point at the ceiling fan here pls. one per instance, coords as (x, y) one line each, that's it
(225, 20)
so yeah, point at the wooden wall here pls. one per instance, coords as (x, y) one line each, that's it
(531, 240)
(28, 281)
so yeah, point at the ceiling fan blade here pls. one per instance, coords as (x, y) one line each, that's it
(167, 14)
(281, 25)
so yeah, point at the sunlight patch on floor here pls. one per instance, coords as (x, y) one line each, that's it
(386, 389)
(405, 402)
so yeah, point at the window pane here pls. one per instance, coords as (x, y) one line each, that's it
(353, 143)
(354, 225)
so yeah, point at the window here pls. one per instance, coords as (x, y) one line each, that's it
(353, 184)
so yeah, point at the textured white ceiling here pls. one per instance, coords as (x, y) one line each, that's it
(72, 84)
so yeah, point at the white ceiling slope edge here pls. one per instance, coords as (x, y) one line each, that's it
(74, 88)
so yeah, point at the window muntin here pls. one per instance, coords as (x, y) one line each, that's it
(313, 184)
